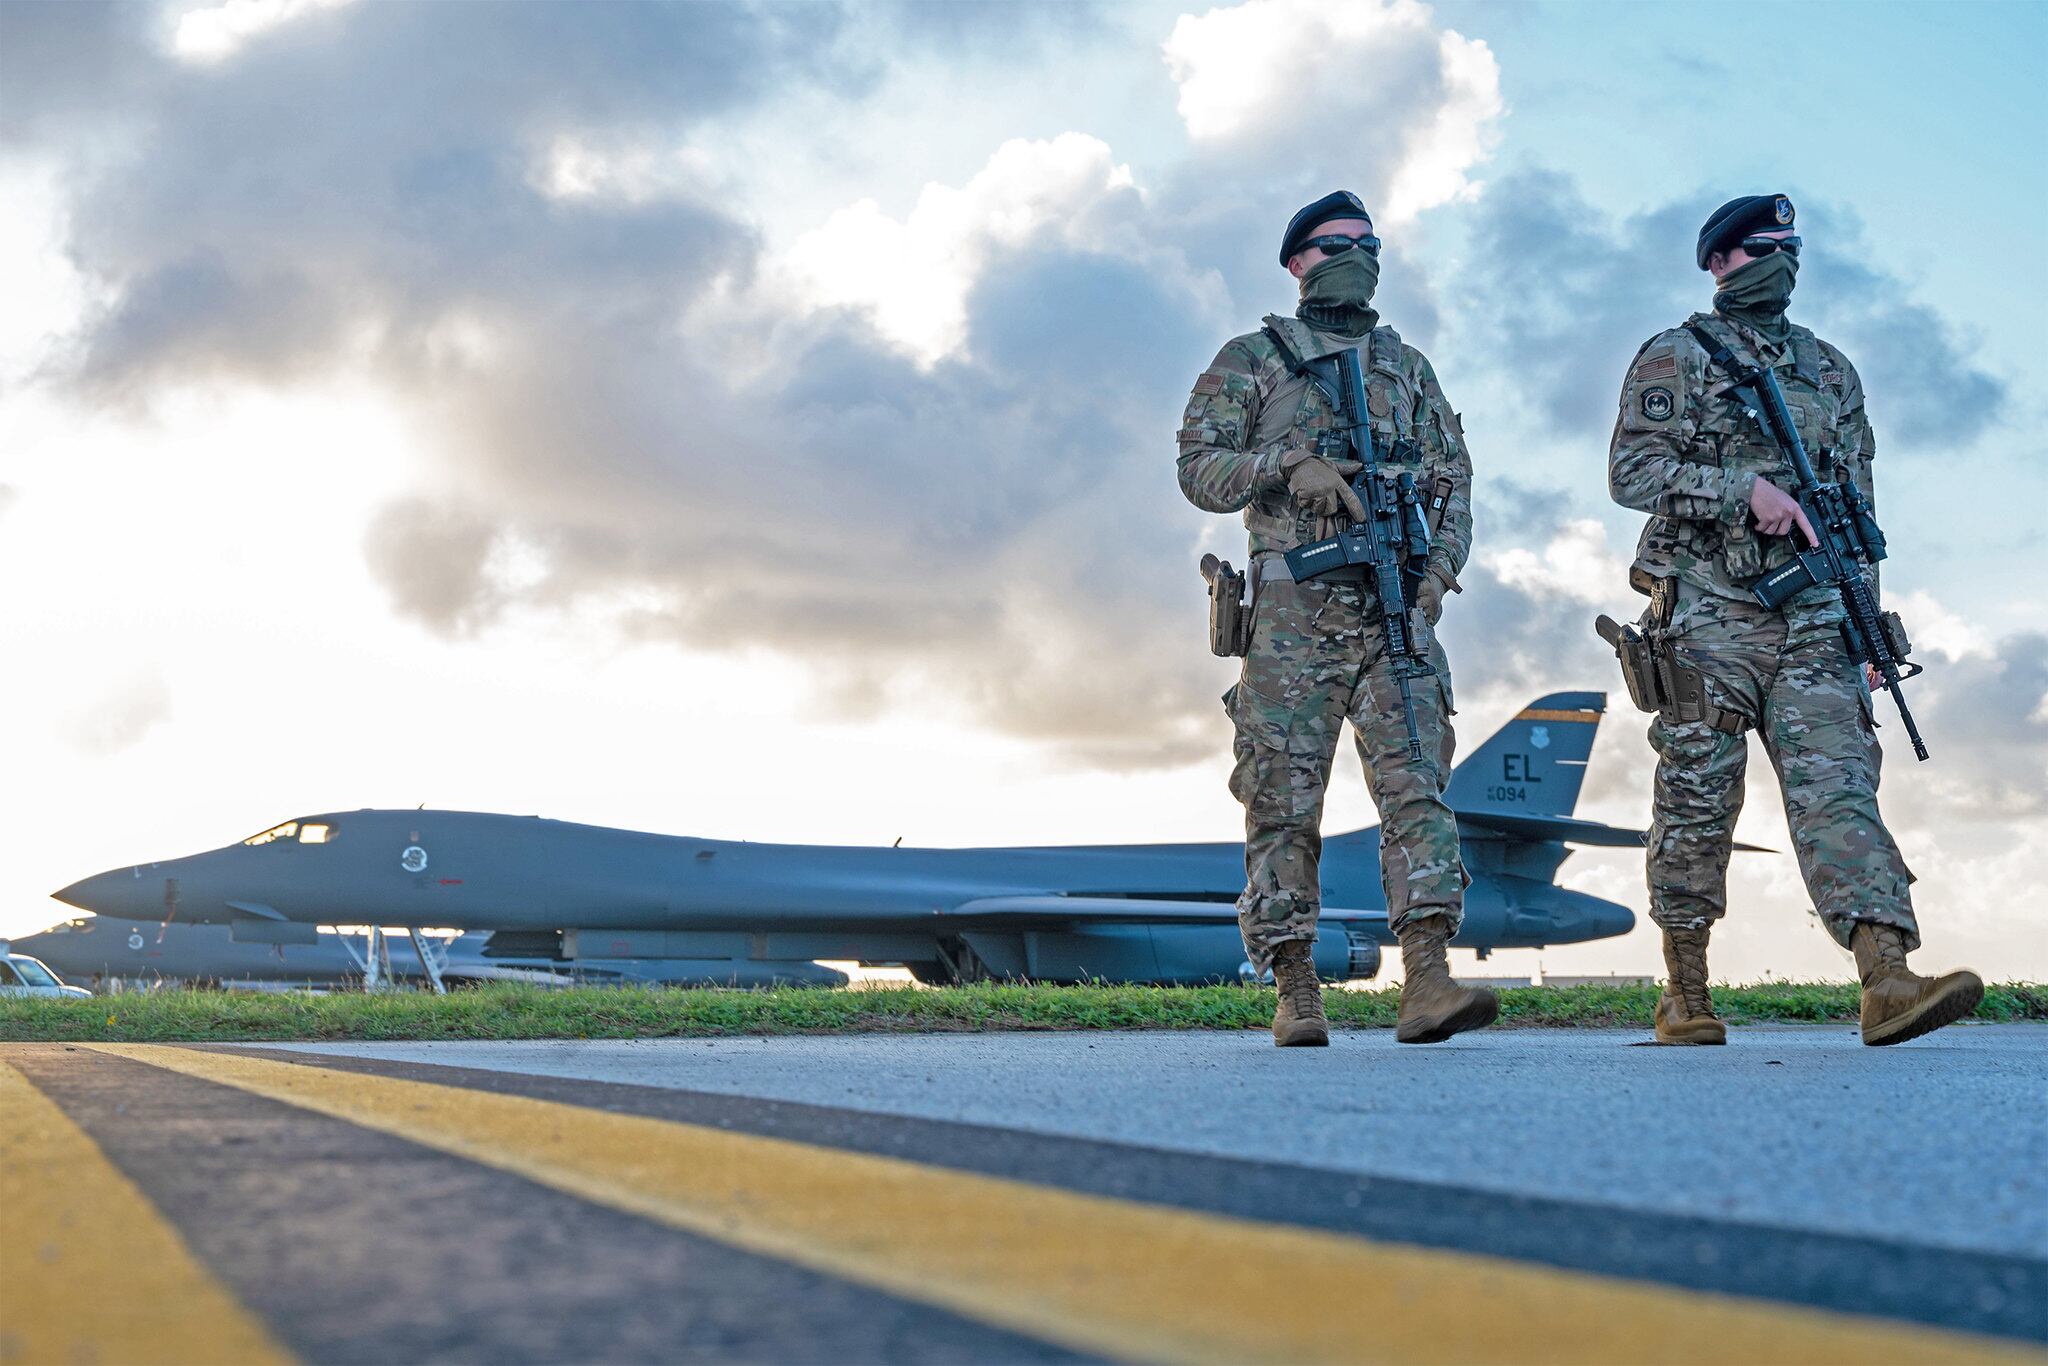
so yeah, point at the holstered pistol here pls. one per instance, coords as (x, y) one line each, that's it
(1230, 618)
(1638, 663)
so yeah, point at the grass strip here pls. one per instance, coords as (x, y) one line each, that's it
(527, 1012)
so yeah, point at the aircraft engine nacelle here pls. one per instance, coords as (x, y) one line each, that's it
(1169, 955)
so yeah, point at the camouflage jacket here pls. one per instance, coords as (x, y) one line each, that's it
(1248, 410)
(1686, 452)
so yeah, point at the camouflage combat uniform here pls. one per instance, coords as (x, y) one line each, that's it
(1317, 654)
(1686, 452)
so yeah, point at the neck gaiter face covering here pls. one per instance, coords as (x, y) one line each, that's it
(1336, 293)
(1755, 293)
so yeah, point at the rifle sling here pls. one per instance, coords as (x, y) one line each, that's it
(1320, 372)
(1323, 377)
(1717, 351)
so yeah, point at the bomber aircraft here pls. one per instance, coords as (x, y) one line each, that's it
(1159, 913)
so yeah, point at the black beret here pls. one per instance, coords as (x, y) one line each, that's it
(1738, 218)
(1337, 204)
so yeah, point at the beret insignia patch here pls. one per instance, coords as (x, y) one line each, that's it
(1657, 404)
(1209, 383)
(1658, 367)
(1782, 210)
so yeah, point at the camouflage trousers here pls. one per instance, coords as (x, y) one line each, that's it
(1317, 659)
(1789, 675)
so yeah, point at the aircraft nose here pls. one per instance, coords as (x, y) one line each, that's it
(102, 893)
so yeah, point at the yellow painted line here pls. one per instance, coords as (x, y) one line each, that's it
(1097, 1274)
(89, 1270)
(1545, 714)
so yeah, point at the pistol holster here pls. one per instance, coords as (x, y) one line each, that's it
(1659, 678)
(1230, 615)
(1638, 669)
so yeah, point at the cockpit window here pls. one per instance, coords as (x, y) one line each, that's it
(305, 832)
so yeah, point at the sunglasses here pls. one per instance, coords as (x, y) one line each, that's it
(1764, 246)
(1332, 243)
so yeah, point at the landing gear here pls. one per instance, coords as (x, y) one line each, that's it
(955, 965)
(376, 961)
(428, 963)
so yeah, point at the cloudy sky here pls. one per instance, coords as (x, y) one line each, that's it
(758, 421)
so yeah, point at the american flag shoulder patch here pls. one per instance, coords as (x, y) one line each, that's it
(1209, 382)
(1658, 367)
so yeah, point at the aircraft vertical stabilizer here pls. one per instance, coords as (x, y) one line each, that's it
(1535, 764)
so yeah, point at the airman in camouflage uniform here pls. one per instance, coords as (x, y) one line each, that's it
(1250, 443)
(1687, 452)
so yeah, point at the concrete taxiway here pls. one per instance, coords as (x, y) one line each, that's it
(1524, 1195)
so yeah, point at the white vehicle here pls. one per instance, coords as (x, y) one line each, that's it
(21, 975)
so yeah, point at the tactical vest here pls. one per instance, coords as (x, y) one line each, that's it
(1391, 401)
(1727, 436)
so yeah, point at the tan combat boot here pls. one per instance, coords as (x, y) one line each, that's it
(1299, 1022)
(1433, 1007)
(1685, 1012)
(1899, 1004)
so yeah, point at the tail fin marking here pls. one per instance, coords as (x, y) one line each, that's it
(1536, 763)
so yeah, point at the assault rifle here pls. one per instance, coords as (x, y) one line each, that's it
(1390, 548)
(1849, 539)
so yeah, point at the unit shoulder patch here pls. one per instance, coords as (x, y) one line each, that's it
(1657, 404)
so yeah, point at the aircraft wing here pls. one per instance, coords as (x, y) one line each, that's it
(1563, 830)
(1048, 911)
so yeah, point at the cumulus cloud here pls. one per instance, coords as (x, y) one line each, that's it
(1570, 291)
(59, 63)
(213, 33)
(1985, 715)
(1278, 113)
(925, 455)
(1539, 574)
(1286, 82)
(435, 560)
(121, 718)
(1925, 388)
(912, 277)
